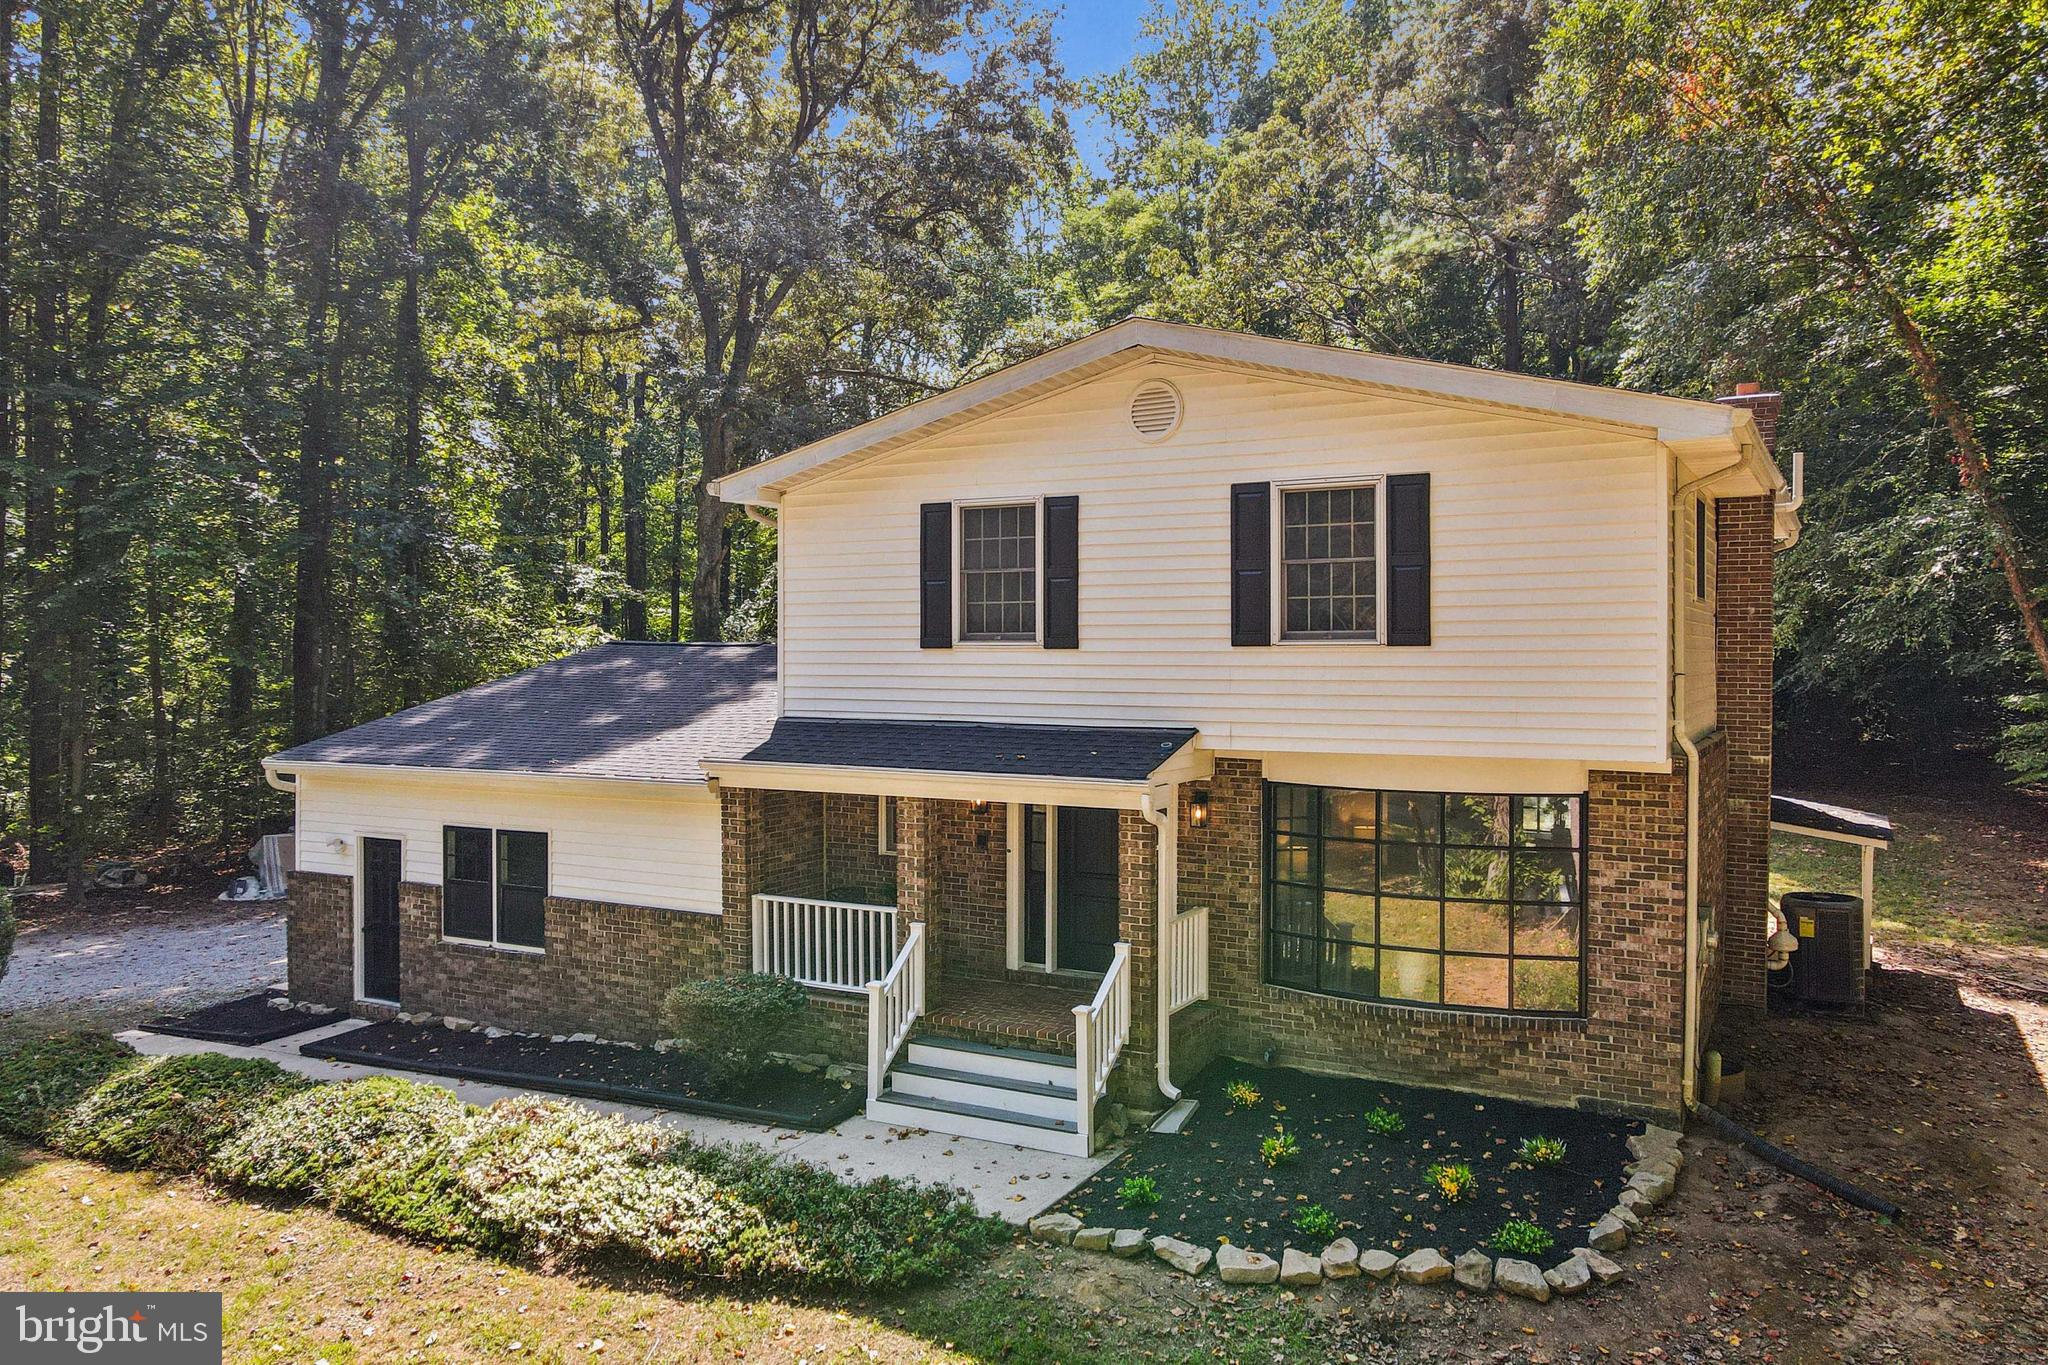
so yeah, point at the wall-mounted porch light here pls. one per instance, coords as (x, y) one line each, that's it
(978, 806)
(1198, 808)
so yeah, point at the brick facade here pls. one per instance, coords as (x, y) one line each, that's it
(319, 936)
(1742, 651)
(1623, 1055)
(855, 867)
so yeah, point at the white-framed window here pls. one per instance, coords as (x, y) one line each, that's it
(494, 886)
(999, 572)
(885, 825)
(1328, 550)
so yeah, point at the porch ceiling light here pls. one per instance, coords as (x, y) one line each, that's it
(1198, 808)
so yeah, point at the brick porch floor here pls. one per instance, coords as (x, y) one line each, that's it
(1006, 1012)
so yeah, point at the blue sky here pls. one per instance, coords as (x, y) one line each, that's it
(1097, 35)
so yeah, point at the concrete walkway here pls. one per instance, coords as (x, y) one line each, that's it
(1011, 1183)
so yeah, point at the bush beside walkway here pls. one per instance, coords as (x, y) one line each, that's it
(539, 1177)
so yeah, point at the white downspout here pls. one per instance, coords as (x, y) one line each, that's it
(1167, 820)
(1681, 731)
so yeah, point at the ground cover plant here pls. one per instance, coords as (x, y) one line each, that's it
(1377, 1193)
(1384, 1121)
(1137, 1192)
(1541, 1150)
(1520, 1237)
(542, 1177)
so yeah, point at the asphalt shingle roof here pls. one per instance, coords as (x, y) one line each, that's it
(650, 712)
(1059, 751)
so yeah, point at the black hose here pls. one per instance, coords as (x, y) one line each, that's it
(1805, 1170)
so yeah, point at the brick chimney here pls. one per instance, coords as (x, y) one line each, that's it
(1765, 407)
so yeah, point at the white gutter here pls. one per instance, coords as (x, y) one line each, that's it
(274, 768)
(1688, 1081)
(1165, 815)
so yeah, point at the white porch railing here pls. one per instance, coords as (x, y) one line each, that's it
(1101, 1028)
(1187, 958)
(894, 1002)
(833, 945)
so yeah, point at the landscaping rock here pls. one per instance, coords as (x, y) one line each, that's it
(1569, 1277)
(1604, 1270)
(1055, 1227)
(1182, 1256)
(1655, 1184)
(583, 1037)
(1340, 1259)
(1653, 1139)
(493, 1031)
(1127, 1242)
(1378, 1264)
(1237, 1265)
(1426, 1266)
(1627, 1217)
(1522, 1279)
(1298, 1268)
(1608, 1235)
(1632, 1199)
(1092, 1239)
(1474, 1271)
(460, 1025)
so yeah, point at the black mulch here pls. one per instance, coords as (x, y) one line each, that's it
(1213, 1184)
(603, 1071)
(248, 1020)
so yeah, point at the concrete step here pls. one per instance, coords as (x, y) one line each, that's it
(978, 1088)
(987, 1059)
(977, 1121)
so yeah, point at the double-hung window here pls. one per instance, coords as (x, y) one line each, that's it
(494, 886)
(1463, 901)
(999, 572)
(1329, 562)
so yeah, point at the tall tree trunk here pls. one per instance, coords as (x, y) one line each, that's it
(707, 575)
(162, 807)
(405, 602)
(607, 611)
(8, 377)
(44, 575)
(1511, 307)
(675, 555)
(633, 507)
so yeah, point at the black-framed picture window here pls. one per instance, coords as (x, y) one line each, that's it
(1456, 900)
(999, 572)
(1329, 563)
(494, 885)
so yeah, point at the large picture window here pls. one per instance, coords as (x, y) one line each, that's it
(1463, 901)
(999, 572)
(1329, 563)
(494, 886)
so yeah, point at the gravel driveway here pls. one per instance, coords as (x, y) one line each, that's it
(126, 968)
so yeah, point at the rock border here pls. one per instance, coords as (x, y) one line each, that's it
(1658, 1157)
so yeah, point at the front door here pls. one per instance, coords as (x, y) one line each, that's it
(380, 919)
(1086, 888)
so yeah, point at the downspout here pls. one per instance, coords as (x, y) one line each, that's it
(1168, 823)
(1680, 731)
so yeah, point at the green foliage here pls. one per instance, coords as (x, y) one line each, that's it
(2024, 750)
(1453, 1180)
(1242, 1095)
(1138, 1192)
(1519, 1237)
(1317, 1222)
(7, 928)
(1279, 1149)
(1384, 1121)
(171, 1113)
(42, 1078)
(1540, 1150)
(733, 1022)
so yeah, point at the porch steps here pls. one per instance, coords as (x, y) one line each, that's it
(970, 1089)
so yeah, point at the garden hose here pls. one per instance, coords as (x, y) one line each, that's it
(1798, 1166)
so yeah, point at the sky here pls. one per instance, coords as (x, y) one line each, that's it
(1097, 35)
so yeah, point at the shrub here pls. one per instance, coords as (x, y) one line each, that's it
(1384, 1121)
(1242, 1095)
(1542, 1151)
(170, 1113)
(1317, 1222)
(377, 1149)
(732, 1022)
(41, 1078)
(1137, 1192)
(1520, 1237)
(6, 933)
(1279, 1149)
(1454, 1181)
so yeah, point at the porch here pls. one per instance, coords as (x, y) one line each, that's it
(1009, 932)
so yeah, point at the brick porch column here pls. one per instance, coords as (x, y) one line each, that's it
(1137, 893)
(916, 876)
(740, 827)
(1742, 648)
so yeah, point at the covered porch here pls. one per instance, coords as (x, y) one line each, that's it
(1000, 898)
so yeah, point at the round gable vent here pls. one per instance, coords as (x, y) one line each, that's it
(1155, 409)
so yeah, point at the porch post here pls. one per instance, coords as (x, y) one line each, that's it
(916, 879)
(1138, 925)
(740, 820)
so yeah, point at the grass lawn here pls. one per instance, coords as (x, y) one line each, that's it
(1927, 889)
(302, 1285)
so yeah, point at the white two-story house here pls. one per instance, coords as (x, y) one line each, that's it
(1174, 694)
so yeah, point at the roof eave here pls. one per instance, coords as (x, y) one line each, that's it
(281, 764)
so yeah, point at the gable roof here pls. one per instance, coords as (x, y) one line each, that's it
(1693, 428)
(634, 711)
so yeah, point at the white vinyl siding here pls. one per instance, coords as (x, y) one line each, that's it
(1549, 582)
(1697, 615)
(632, 847)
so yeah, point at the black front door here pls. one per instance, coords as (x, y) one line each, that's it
(1086, 843)
(380, 918)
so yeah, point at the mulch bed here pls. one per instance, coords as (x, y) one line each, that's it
(1213, 1183)
(602, 1071)
(247, 1021)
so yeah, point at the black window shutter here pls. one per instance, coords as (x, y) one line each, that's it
(1408, 559)
(1251, 564)
(935, 575)
(1063, 573)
